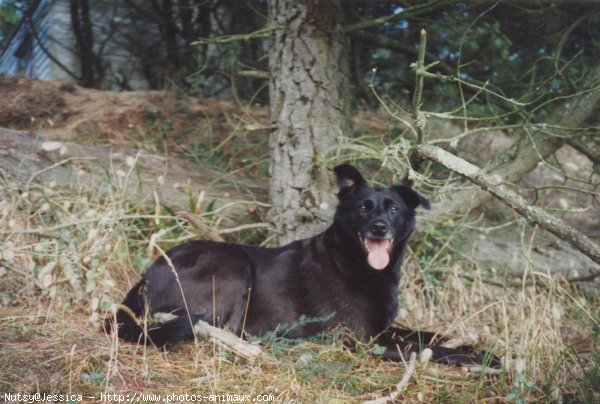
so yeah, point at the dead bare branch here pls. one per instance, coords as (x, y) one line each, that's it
(515, 284)
(228, 340)
(391, 397)
(211, 233)
(525, 154)
(495, 185)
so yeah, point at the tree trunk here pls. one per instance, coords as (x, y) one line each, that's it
(84, 39)
(309, 108)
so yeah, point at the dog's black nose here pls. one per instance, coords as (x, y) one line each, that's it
(379, 228)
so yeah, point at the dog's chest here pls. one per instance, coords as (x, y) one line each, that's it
(370, 310)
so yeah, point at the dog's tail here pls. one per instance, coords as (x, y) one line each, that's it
(131, 326)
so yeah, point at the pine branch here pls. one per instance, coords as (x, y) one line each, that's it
(397, 46)
(225, 39)
(409, 12)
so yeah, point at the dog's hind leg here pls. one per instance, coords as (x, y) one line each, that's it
(128, 315)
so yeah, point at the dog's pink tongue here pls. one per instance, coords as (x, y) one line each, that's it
(378, 256)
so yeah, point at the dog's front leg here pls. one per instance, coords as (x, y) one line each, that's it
(399, 343)
(416, 336)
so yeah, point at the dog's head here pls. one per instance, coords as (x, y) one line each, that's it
(377, 220)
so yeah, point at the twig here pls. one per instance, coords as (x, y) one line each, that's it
(584, 278)
(57, 164)
(515, 284)
(405, 13)
(255, 74)
(469, 277)
(397, 46)
(469, 339)
(484, 369)
(567, 188)
(244, 227)
(406, 123)
(214, 234)
(483, 88)
(410, 368)
(46, 231)
(419, 87)
(419, 117)
(576, 301)
(211, 233)
(224, 39)
(232, 204)
(17, 270)
(229, 340)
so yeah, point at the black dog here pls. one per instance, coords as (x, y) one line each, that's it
(346, 276)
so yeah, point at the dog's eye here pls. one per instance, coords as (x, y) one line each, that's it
(393, 208)
(366, 207)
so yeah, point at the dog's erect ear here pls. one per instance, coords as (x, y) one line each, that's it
(411, 197)
(349, 180)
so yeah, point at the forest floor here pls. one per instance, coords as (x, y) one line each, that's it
(68, 253)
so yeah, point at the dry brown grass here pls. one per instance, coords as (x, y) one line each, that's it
(66, 256)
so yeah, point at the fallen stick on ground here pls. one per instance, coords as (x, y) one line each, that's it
(465, 340)
(228, 340)
(398, 388)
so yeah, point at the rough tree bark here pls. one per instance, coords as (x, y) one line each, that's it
(309, 108)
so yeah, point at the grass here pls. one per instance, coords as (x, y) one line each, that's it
(67, 255)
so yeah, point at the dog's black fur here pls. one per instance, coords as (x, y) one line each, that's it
(346, 276)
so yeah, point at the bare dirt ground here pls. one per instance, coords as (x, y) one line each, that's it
(64, 111)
